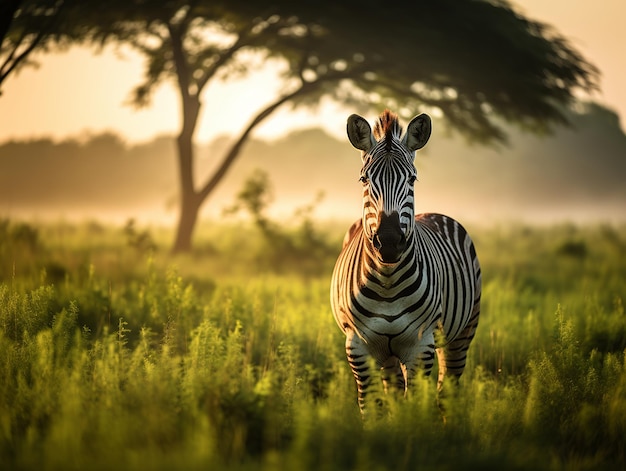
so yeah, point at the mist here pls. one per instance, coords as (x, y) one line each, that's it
(576, 174)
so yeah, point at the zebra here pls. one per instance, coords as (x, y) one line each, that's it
(404, 286)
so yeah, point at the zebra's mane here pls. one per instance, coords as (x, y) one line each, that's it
(387, 127)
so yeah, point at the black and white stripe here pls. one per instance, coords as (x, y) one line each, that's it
(404, 286)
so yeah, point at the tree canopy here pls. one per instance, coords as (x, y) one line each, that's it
(476, 61)
(472, 60)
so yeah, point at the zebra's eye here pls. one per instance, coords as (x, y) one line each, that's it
(363, 179)
(412, 179)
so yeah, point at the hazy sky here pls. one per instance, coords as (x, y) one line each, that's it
(77, 92)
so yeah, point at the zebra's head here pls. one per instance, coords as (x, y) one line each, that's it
(388, 176)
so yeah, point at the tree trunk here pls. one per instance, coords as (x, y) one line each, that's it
(190, 205)
(189, 199)
(190, 107)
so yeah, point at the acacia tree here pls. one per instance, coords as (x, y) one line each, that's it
(480, 63)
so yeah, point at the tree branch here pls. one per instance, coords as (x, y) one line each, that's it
(244, 36)
(12, 62)
(305, 87)
(223, 58)
(236, 147)
(14, 58)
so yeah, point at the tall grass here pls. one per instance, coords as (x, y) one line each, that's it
(114, 356)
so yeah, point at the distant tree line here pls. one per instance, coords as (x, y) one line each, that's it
(565, 175)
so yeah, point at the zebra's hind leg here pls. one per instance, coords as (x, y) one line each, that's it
(452, 359)
(360, 363)
(447, 383)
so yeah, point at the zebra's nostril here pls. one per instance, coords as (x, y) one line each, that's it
(376, 240)
(402, 243)
(389, 244)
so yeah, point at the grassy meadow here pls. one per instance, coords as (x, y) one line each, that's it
(115, 354)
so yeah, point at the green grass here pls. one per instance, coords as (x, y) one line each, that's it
(115, 356)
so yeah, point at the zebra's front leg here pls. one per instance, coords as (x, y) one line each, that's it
(421, 361)
(360, 361)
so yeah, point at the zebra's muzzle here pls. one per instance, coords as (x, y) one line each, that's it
(389, 240)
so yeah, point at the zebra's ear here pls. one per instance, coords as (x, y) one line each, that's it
(360, 133)
(418, 132)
